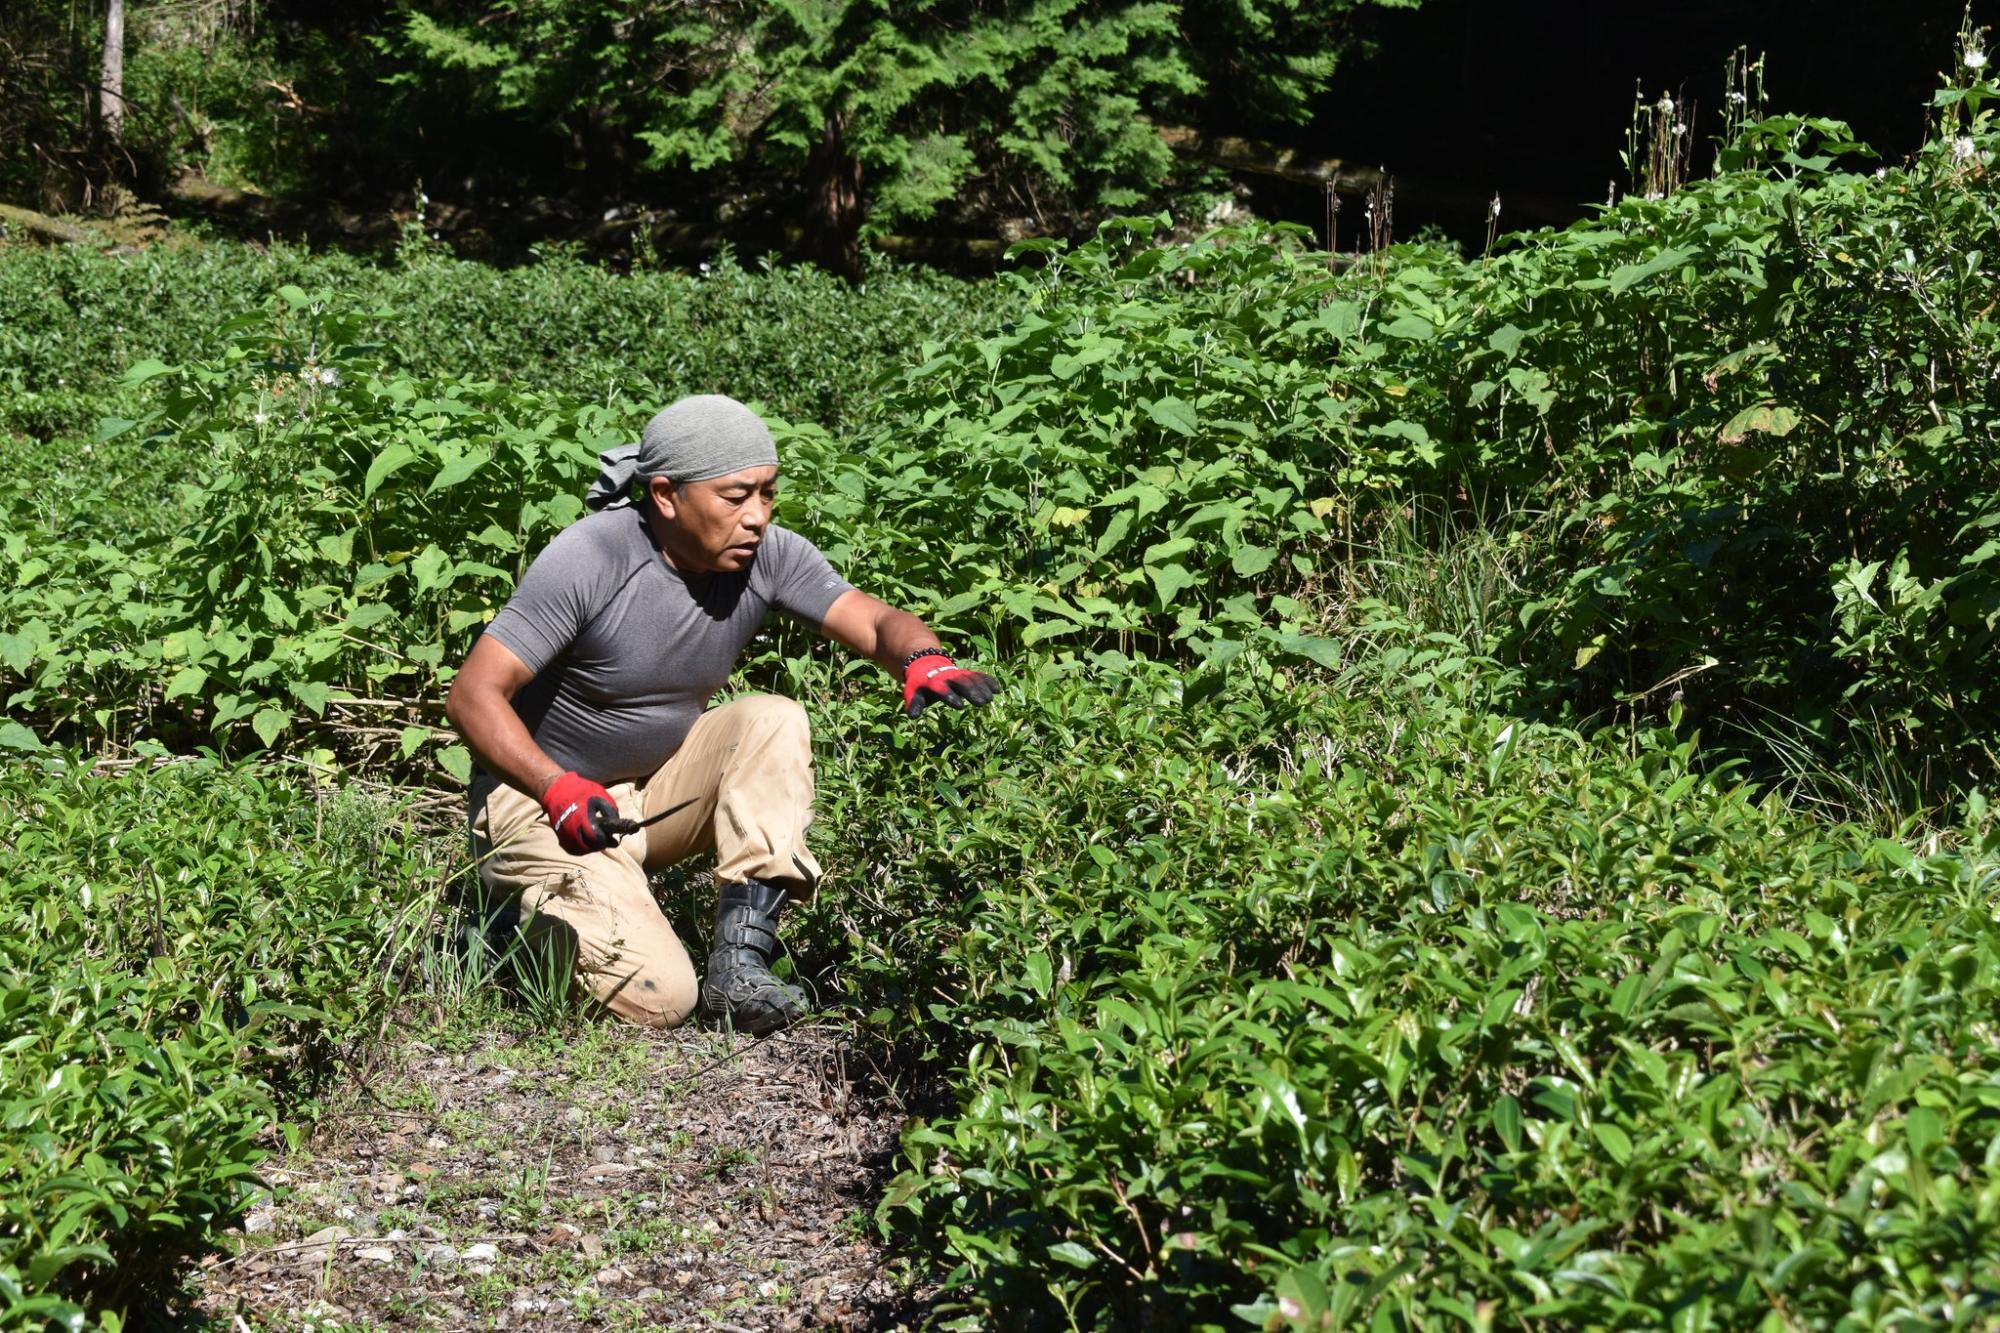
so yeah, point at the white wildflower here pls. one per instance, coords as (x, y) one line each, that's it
(1665, 106)
(1962, 148)
(704, 266)
(1737, 99)
(260, 418)
(1493, 209)
(1680, 127)
(328, 375)
(1975, 58)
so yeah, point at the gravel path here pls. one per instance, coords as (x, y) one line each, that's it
(601, 1178)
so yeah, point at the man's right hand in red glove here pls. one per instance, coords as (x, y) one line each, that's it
(578, 809)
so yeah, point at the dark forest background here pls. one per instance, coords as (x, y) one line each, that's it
(497, 127)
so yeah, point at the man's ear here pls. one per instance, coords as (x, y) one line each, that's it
(662, 492)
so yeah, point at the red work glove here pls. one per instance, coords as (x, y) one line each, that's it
(578, 808)
(932, 677)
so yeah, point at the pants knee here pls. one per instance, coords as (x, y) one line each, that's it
(777, 724)
(659, 998)
(774, 712)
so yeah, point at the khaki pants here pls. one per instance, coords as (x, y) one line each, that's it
(748, 767)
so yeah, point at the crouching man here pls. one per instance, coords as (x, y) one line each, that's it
(585, 704)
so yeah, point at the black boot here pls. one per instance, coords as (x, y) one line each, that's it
(739, 989)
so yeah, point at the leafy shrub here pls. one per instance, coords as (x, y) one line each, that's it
(180, 950)
(1743, 426)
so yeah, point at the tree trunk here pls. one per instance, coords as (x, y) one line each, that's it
(833, 219)
(111, 84)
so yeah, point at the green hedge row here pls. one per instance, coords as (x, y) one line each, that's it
(72, 321)
(1315, 1006)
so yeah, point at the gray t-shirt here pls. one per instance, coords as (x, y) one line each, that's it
(626, 649)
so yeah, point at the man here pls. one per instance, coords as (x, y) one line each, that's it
(584, 703)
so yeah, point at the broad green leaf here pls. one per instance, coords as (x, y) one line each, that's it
(14, 736)
(1250, 561)
(338, 547)
(188, 680)
(1410, 328)
(385, 465)
(1174, 414)
(1073, 1254)
(269, 724)
(457, 761)
(1326, 652)
(458, 469)
(142, 371)
(1763, 419)
(1632, 274)
(1169, 581)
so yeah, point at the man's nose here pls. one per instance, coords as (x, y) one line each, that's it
(757, 515)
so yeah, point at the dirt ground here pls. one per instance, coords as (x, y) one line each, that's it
(598, 1178)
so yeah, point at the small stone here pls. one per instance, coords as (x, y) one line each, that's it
(397, 1234)
(647, 1294)
(482, 1253)
(609, 1277)
(376, 1254)
(441, 1256)
(258, 1220)
(315, 1246)
(592, 1245)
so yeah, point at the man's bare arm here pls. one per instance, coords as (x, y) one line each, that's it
(481, 707)
(897, 641)
(876, 630)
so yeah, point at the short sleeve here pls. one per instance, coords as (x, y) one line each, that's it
(552, 604)
(802, 582)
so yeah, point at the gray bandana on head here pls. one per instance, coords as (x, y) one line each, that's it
(708, 435)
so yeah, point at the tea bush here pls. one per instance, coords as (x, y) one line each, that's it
(1369, 1010)
(181, 949)
(72, 321)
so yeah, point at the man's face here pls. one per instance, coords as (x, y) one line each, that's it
(714, 526)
